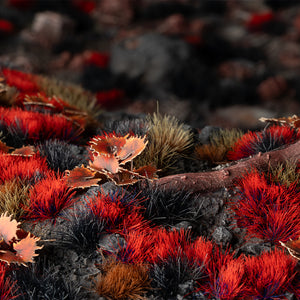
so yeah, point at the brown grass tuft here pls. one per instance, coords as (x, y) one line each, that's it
(71, 93)
(13, 196)
(122, 281)
(168, 140)
(286, 173)
(220, 143)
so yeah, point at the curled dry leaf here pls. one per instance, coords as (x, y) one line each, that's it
(24, 151)
(106, 162)
(107, 145)
(132, 148)
(26, 248)
(293, 121)
(293, 247)
(17, 245)
(8, 228)
(81, 177)
(4, 148)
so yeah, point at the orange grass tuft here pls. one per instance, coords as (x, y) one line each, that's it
(122, 281)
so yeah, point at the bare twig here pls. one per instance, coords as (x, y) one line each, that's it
(214, 180)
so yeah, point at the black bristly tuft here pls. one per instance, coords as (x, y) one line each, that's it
(41, 280)
(63, 156)
(136, 126)
(168, 275)
(82, 233)
(166, 206)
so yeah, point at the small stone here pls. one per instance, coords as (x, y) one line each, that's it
(221, 235)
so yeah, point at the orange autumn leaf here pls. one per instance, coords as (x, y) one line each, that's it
(4, 148)
(132, 148)
(24, 151)
(109, 163)
(293, 247)
(81, 177)
(107, 145)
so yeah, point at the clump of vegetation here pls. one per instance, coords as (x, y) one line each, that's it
(168, 141)
(122, 281)
(14, 195)
(286, 174)
(220, 144)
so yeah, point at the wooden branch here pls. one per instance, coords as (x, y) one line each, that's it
(214, 180)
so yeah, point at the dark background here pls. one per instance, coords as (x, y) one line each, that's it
(223, 63)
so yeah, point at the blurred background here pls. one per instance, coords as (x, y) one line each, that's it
(208, 62)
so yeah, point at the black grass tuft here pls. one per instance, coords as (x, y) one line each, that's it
(137, 126)
(166, 206)
(42, 280)
(83, 232)
(167, 276)
(63, 156)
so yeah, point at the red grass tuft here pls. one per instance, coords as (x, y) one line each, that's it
(48, 198)
(97, 58)
(139, 247)
(6, 26)
(270, 275)
(230, 283)
(268, 211)
(7, 287)
(36, 126)
(252, 143)
(23, 168)
(24, 82)
(169, 244)
(121, 212)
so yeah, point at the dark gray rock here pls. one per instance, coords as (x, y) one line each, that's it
(152, 57)
(221, 235)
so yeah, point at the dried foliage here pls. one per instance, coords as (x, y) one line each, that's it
(269, 139)
(286, 174)
(48, 198)
(293, 247)
(293, 121)
(220, 143)
(17, 246)
(71, 93)
(122, 281)
(267, 210)
(13, 196)
(110, 154)
(168, 140)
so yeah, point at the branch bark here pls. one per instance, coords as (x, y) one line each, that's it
(210, 181)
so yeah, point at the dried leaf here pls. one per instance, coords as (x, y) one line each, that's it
(109, 163)
(107, 145)
(148, 172)
(132, 148)
(81, 177)
(293, 121)
(123, 177)
(24, 151)
(8, 228)
(4, 148)
(26, 248)
(293, 248)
